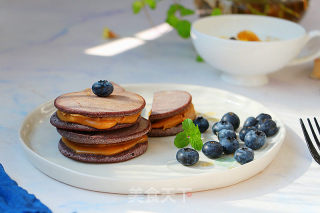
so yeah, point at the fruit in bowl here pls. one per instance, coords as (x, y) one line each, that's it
(248, 63)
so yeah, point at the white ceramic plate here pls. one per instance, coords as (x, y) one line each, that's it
(156, 171)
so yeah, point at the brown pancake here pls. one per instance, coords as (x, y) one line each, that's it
(119, 103)
(133, 152)
(55, 121)
(108, 137)
(169, 103)
(117, 87)
(167, 132)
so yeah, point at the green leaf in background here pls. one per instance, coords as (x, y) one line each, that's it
(152, 4)
(185, 11)
(181, 140)
(178, 7)
(216, 12)
(183, 27)
(173, 21)
(199, 59)
(172, 10)
(137, 6)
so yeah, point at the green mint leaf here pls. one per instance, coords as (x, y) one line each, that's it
(199, 59)
(137, 6)
(152, 4)
(191, 134)
(188, 126)
(195, 132)
(183, 27)
(216, 12)
(181, 140)
(173, 21)
(196, 142)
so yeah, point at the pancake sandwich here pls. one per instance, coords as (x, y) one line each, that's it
(105, 147)
(169, 109)
(101, 129)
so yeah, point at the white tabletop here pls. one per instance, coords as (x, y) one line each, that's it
(43, 54)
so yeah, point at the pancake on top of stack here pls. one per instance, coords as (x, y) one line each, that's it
(101, 129)
(169, 109)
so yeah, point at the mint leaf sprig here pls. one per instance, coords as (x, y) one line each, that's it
(190, 135)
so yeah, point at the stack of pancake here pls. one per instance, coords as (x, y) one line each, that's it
(101, 129)
(169, 109)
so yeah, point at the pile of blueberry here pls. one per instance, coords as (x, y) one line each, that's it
(253, 133)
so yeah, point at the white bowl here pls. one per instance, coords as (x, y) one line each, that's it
(247, 63)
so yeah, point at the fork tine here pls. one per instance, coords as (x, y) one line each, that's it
(311, 147)
(313, 133)
(304, 130)
(318, 127)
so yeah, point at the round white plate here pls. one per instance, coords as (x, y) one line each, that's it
(156, 171)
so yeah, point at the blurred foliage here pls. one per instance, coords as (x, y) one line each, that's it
(175, 16)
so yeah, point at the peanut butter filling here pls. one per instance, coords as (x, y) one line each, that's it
(98, 123)
(173, 121)
(101, 149)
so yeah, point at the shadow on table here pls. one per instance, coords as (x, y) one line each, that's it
(292, 162)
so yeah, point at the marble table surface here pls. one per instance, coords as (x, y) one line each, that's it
(45, 51)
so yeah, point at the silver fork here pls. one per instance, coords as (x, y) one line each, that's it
(315, 154)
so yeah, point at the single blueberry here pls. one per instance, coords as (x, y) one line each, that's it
(244, 131)
(187, 156)
(262, 117)
(212, 149)
(269, 127)
(255, 139)
(202, 123)
(221, 125)
(102, 88)
(230, 145)
(244, 155)
(251, 121)
(232, 118)
(224, 133)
